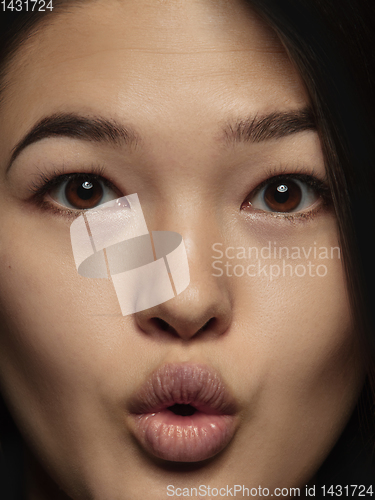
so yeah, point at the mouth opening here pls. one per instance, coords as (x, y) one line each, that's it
(183, 410)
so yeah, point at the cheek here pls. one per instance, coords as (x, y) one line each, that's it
(55, 322)
(311, 339)
(294, 347)
(297, 331)
(290, 291)
(65, 348)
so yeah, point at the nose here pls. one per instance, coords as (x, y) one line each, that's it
(203, 308)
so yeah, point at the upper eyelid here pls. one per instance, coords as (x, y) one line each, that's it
(46, 182)
(311, 180)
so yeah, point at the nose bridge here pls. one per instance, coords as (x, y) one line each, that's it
(205, 305)
(195, 219)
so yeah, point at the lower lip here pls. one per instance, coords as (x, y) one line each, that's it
(184, 438)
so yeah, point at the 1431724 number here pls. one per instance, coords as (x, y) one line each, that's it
(27, 5)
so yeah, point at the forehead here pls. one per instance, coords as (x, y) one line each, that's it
(166, 55)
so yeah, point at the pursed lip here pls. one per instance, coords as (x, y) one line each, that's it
(193, 384)
(178, 437)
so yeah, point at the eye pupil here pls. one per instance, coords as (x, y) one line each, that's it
(83, 194)
(86, 190)
(281, 194)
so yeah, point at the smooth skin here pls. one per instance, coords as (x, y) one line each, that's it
(177, 72)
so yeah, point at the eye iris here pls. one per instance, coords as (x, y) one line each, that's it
(83, 194)
(283, 197)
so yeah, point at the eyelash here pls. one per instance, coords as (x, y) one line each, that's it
(310, 178)
(46, 182)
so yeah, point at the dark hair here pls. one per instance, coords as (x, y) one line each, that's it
(332, 44)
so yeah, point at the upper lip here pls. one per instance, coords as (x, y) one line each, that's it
(194, 384)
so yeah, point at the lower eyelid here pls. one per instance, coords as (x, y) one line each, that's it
(319, 209)
(52, 208)
(304, 216)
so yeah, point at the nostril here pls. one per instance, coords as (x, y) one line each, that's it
(162, 325)
(183, 410)
(209, 324)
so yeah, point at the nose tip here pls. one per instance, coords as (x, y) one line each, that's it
(202, 309)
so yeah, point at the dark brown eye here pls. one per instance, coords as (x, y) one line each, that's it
(83, 192)
(284, 196)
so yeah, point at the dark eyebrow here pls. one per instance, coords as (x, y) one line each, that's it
(272, 126)
(95, 129)
(98, 129)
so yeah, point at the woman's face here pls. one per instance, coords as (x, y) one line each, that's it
(212, 110)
